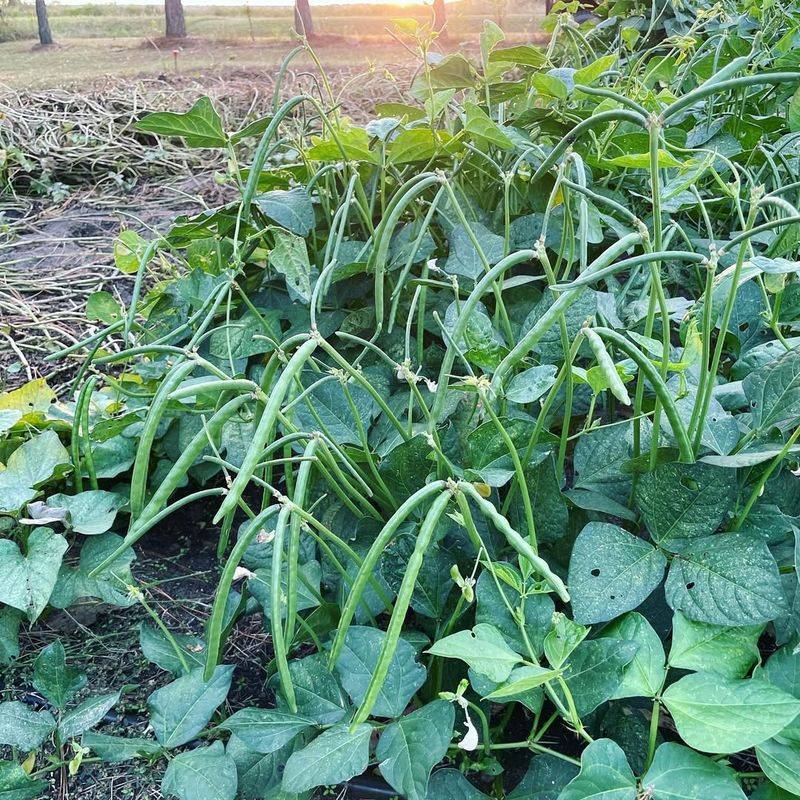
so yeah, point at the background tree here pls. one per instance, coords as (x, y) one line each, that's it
(176, 22)
(45, 35)
(303, 23)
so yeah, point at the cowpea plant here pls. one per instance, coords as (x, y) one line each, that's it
(500, 397)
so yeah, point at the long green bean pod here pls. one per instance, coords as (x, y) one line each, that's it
(276, 607)
(299, 498)
(371, 560)
(216, 621)
(516, 540)
(155, 413)
(404, 593)
(266, 426)
(658, 385)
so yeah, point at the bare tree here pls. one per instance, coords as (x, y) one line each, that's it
(439, 18)
(176, 22)
(303, 23)
(45, 35)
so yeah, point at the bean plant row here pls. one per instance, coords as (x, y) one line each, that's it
(496, 404)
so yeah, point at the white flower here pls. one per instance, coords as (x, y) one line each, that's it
(242, 572)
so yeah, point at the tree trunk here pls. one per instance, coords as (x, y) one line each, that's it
(303, 23)
(439, 18)
(45, 36)
(176, 24)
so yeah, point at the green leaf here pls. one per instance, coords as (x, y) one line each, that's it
(793, 112)
(260, 774)
(525, 55)
(591, 72)
(415, 144)
(200, 126)
(522, 680)
(719, 715)
(483, 648)
(86, 715)
(560, 642)
(702, 647)
(328, 403)
(595, 670)
(780, 760)
(537, 611)
(206, 773)
(450, 784)
(773, 391)
(549, 86)
(26, 581)
(181, 709)
(491, 35)
(334, 756)
(57, 681)
(604, 775)
(22, 727)
(642, 160)
(33, 463)
(350, 144)
(357, 662)
(159, 650)
(409, 748)
(483, 129)
(611, 571)
(545, 779)
(685, 501)
(730, 579)
(116, 749)
(463, 258)
(452, 72)
(289, 257)
(129, 248)
(104, 307)
(266, 730)
(110, 585)
(91, 512)
(16, 785)
(678, 773)
(9, 634)
(317, 692)
(530, 384)
(292, 209)
(782, 669)
(645, 675)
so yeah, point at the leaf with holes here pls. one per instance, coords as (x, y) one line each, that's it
(729, 579)
(684, 501)
(611, 571)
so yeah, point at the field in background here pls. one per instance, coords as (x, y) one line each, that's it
(246, 22)
(95, 41)
(94, 60)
